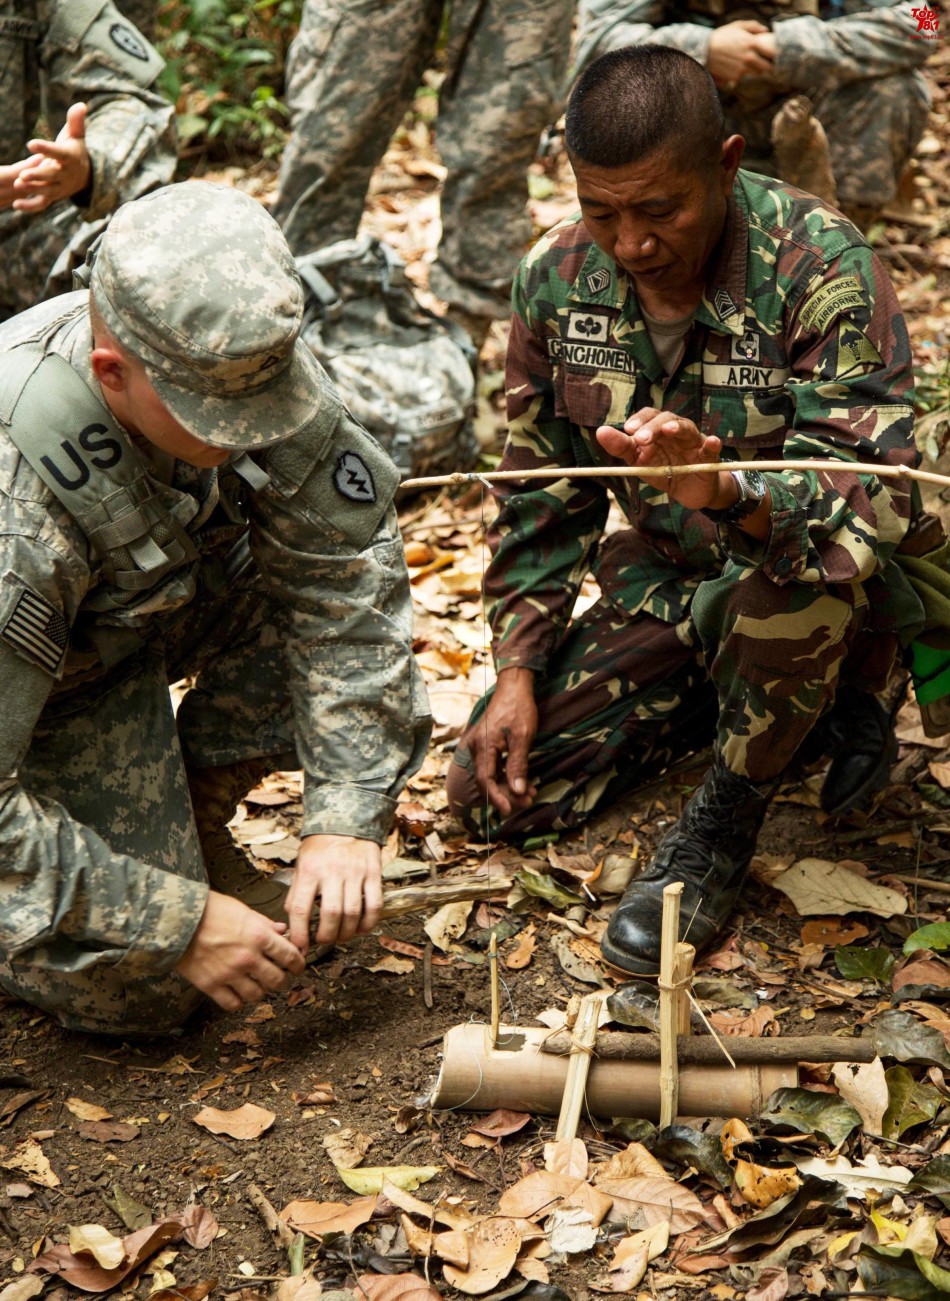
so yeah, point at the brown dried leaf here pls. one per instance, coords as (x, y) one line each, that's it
(592, 1200)
(648, 1200)
(493, 1249)
(318, 1218)
(520, 956)
(244, 1123)
(461, 1168)
(754, 1025)
(537, 1194)
(829, 931)
(451, 1246)
(396, 1287)
(414, 818)
(567, 1156)
(84, 1110)
(30, 1159)
(185, 1292)
(864, 1086)
(452, 1216)
(108, 1131)
(17, 1102)
(400, 946)
(201, 1227)
(346, 1147)
(631, 1163)
(761, 1185)
(926, 971)
(319, 1096)
(78, 1272)
(393, 966)
(502, 1122)
(95, 1240)
(734, 1132)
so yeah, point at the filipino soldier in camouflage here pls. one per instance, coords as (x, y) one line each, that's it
(182, 493)
(92, 76)
(352, 73)
(692, 312)
(858, 63)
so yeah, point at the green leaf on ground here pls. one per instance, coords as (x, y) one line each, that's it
(936, 937)
(909, 1102)
(687, 1146)
(857, 963)
(901, 1036)
(542, 886)
(933, 1179)
(809, 1112)
(892, 1271)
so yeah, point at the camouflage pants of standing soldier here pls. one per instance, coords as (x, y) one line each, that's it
(39, 253)
(352, 73)
(752, 668)
(112, 755)
(873, 128)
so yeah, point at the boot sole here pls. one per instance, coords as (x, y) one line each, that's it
(636, 966)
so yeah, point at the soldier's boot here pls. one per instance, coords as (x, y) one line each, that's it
(709, 850)
(858, 735)
(215, 794)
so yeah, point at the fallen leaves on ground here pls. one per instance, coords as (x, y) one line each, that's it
(817, 886)
(244, 1123)
(316, 1219)
(82, 1270)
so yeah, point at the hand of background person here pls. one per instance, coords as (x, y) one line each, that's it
(651, 437)
(346, 875)
(55, 169)
(236, 956)
(738, 50)
(501, 739)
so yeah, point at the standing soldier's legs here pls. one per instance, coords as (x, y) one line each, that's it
(351, 74)
(110, 756)
(873, 128)
(507, 64)
(39, 251)
(622, 698)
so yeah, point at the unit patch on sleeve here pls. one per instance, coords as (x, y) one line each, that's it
(831, 300)
(353, 479)
(35, 629)
(129, 41)
(856, 352)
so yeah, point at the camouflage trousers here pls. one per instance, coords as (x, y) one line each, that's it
(39, 252)
(873, 128)
(751, 669)
(352, 73)
(112, 754)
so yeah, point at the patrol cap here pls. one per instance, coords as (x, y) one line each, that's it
(197, 281)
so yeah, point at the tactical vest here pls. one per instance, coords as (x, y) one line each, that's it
(136, 529)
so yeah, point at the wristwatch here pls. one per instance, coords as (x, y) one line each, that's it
(752, 489)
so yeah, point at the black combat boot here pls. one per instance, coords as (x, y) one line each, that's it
(709, 850)
(858, 735)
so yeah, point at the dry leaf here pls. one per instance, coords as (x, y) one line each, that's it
(243, 1123)
(648, 1200)
(451, 1245)
(23, 1288)
(448, 924)
(502, 1122)
(78, 1271)
(568, 1156)
(592, 1200)
(940, 772)
(493, 1249)
(396, 1287)
(370, 1178)
(817, 886)
(466, 1171)
(390, 965)
(190, 1291)
(95, 1240)
(30, 1159)
(925, 971)
(537, 1194)
(633, 1254)
(520, 956)
(864, 1086)
(346, 1147)
(400, 946)
(84, 1110)
(108, 1131)
(760, 1185)
(753, 1025)
(829, 931)
(318, 1218)
(570, 1230)
(860, 1179)
(319, 1096)
(298, 1287)
(453, 1217)
(632, 1162)
(201, 1227)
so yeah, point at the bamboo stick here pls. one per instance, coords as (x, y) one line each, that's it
(702, 1050)
(495, 1001)
(664, 473)
(575, 1084)
(669, 937)
(684, 957)
(407, 899)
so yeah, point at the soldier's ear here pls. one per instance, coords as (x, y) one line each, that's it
(730, 158)
(110, 368)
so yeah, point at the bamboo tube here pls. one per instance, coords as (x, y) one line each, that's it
(669, 934)
(575, 1082)
(520, 1076)
(702, 1050)
(682, 974)
(664, 473)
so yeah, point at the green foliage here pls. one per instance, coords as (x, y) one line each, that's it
(225, 71)
(857, 963)
(936, 936)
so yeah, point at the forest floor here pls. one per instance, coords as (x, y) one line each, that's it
(337, 1072)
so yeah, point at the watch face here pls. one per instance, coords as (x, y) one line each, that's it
(753, 483)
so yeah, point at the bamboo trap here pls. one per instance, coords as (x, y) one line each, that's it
(664, 473)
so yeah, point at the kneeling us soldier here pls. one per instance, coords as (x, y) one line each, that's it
(182, 493)
(692, 312)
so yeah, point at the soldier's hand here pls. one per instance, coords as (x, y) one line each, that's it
(735, 52)
(501, 739)
(236, 956)
(346, 874)
(8, 178)
(56, 169)
(651, 437)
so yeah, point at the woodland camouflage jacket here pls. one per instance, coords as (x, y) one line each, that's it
(798, 349)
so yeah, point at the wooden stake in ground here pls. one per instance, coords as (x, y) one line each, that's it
(682, 975)
(495, 1000)
(669, 937)
(582, 1047)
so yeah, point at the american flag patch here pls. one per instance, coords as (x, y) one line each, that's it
(36, 630)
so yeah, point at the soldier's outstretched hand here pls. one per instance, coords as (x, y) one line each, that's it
(501, 739)
(347, 875)
(56, 169)
(236, 956)
(651, 437)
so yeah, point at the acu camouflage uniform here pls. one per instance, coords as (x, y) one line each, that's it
(54, 53)
(278, 579)
(352, 73)
(798, 349)
(857, 62)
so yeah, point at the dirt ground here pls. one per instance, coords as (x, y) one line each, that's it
(356, 1043)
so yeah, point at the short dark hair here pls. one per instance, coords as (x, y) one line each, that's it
(643, 99)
